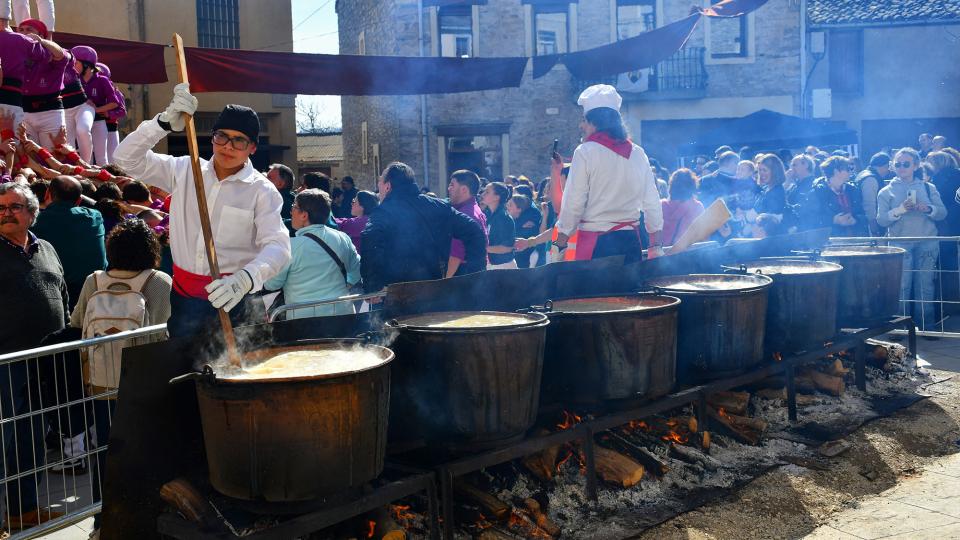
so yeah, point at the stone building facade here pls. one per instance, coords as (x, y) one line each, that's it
(727, 69)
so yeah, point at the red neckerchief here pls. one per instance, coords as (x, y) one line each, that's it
(621, 148)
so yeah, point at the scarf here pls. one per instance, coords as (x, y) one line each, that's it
(621, 148)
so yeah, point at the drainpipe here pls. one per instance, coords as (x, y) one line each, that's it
(803, 57)
(423, 103)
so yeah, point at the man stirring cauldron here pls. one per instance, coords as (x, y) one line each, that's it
(251, 241)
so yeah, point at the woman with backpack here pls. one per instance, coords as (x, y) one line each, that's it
(130, 294)
(909, 206)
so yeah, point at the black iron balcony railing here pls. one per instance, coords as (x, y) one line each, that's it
(682, 75)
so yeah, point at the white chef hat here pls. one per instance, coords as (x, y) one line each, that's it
(599, 95)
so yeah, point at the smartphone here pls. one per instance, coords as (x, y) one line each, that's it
(556, 144)
(912, 196)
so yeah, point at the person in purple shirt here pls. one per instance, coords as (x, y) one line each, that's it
(78, 111)
(42, 84)
(463, 188)
(363, 203)
(16, 51)
(100, 94)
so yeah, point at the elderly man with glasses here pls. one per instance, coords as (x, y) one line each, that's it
(34, 290)
(252, 243)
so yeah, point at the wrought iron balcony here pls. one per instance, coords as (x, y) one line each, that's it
(682, 76)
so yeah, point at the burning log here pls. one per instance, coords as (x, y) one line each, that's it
(492, 506)
(694, 456)
(836, 369)
(617, 468)
(648, 459)
(744, 434)
(543, 464)
(781, 393)
(384, 526)
(524, 525)
(181, 494)
(541, 518)
(830, 384)
(732, 402)
(494, 534)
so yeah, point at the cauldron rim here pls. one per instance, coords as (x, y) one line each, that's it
(861, 251)
(672, 303)
(386, 357)
(533, 320)
(817, 267)
(760, 282)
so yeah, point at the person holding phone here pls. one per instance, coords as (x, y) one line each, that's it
(835, 202)
(909, 206)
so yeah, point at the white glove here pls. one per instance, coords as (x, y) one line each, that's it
(227, 292)
(182, 103)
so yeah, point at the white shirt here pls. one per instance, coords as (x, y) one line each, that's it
(604, 189)
(248, 232)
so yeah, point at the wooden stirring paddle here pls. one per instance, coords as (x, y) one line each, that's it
(191, 132)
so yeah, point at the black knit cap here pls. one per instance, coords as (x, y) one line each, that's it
(239, 118)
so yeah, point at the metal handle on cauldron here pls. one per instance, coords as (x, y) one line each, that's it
(742, 269)
(811, 254)
(547, 307)
(652, 291)
(206, 374)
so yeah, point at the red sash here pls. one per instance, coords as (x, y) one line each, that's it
(588, 239)
(189, 284)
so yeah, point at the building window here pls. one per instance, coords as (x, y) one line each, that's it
(456, 31)
(728, 37)
(551, 30)
(635, 17)
(846, 61)
(218, 24)
(481, 154)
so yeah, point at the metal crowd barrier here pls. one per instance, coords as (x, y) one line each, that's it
(936, 310)
(48, 434)
(301, 308)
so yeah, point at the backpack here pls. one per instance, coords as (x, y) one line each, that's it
(117, 306)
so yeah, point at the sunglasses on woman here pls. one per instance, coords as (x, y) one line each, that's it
(903, 164)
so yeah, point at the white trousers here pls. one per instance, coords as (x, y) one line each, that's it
(20, 9)
(79, 121)
(113, 141)
(43, 127)
(17, 114)
(100, 142)
(512, 265)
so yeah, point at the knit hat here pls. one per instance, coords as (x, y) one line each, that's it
(239, 118)
(880, 159)
(37, 25)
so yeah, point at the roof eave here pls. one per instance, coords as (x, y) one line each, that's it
(883, 24)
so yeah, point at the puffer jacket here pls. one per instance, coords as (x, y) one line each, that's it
(914, 222)
(407, 238)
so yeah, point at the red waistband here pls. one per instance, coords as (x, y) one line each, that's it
(189, 284)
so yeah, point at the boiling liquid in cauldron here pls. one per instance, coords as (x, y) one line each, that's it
(308, 364)
(714, 285)
(479, 320)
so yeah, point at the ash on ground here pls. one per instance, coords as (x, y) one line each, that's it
(620, 513)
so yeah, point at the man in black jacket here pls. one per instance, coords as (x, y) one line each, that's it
(720, 184)
(408, 236)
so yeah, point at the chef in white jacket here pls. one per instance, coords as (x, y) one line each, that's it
(610, 183)
(252, 243)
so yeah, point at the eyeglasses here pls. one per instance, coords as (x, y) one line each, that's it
(238, 143)
(903, 164)
(13, 208)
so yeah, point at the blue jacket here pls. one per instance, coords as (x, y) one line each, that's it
(408, 239)
(313, 275)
